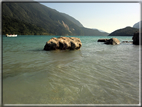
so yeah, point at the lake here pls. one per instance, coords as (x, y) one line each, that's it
(95, 74)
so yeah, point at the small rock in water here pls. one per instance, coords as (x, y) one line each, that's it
(102, 40)
(113, 41)
(127, 41)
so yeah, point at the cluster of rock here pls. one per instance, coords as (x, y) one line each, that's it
(73, 43)
(63, 43)
(111, 41)
(115, 41)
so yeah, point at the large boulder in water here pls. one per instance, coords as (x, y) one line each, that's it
(52, 44)
(112, 41)
(63, 43)
(136, 38)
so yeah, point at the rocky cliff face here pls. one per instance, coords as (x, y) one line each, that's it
(73, 20)
(66, 26)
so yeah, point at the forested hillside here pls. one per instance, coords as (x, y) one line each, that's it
(127, 31)
(33, 18)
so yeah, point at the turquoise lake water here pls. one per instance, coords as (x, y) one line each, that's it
(95, 74)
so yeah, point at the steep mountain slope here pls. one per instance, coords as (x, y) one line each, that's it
(72, 19)
(91, 32)
(34, 14)
(127, 31)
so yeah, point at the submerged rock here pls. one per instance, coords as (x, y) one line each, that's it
(127, 41)
(113, 41)
(136, 38)
(63, 43)
(102, 40)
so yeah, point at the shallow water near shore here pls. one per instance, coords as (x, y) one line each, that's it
(95, 74)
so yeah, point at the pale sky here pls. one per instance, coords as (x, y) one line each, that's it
(103, 16)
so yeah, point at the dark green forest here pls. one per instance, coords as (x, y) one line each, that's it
(14, 26)
(25, 18)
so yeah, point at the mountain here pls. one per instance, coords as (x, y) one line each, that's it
(91, 32)
(136, 25)
(127, 31)
(14, 26)
(72, 19)
(35, 14)
(100, 30)
(28, 18)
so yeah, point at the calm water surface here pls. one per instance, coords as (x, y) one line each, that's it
(95, 74)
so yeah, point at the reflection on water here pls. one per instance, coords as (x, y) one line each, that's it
(95, 74)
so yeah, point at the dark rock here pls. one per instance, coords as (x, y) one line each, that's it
(63, 43)
(136, 38)
(102, 40)
(113, 41)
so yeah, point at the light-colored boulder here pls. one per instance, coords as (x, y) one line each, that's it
(63, 43)
(113, 41)
(51, 45)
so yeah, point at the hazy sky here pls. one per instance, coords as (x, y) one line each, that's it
(103, 16)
